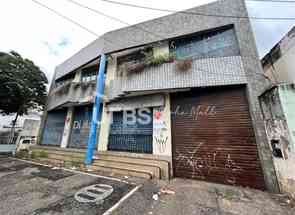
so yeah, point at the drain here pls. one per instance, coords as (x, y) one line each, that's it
(94, 193)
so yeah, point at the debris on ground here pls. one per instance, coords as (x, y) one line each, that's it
(156, 197)
(55, 168)
(167, 191)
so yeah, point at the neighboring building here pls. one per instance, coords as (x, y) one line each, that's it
(279, 63)
(6, 120)
(278, 105)
(26, 129)
(197, 77)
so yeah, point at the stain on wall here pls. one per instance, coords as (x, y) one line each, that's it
(276, 104)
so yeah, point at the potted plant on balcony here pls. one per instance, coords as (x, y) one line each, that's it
(184, 65)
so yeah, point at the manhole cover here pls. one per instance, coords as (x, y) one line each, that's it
(94, 193)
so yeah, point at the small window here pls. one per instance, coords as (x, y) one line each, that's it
(89, 73)
(64, 80)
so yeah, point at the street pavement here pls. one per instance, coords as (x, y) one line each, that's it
(27, 189)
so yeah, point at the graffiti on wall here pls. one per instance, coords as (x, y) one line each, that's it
(196, 111)
(160, 131)
(204, 165)
(278, 136)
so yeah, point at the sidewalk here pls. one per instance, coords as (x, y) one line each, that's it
(201, 198)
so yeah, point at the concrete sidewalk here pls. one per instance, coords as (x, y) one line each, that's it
(201, 198)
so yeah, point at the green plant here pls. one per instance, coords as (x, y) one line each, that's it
(34, 155)
(43, 154)
(160, 59)
(22, 154)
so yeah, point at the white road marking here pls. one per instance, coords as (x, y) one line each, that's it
(101, 191)
(115, 206)
(77, 172)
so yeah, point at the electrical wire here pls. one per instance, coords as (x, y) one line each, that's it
(72, 21)
(273, 1)
(66, 18)
(114, 18)
(197, 13)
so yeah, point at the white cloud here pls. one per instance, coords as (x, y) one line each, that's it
(48, 40)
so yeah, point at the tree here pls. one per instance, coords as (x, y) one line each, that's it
(22, 85)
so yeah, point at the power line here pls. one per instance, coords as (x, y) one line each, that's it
(66, 18)
(197, 13)
(113, 18)
(72, 21)
(275, 1)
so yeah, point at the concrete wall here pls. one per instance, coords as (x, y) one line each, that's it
(67, 129)
(279, 62)
(162, 140)
(287, 97)
(278, 107)
(283, 70)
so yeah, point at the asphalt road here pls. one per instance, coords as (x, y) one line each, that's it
(27, 188)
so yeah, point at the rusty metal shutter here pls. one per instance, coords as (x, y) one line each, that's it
(213, 138)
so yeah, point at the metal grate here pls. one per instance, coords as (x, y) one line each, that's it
(135, 138)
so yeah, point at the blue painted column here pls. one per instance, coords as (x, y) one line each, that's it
(96, 110)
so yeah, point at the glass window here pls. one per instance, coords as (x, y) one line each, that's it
(214, 44)
(89, 73)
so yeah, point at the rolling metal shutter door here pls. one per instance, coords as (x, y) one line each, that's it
(137, 138)
(213, 138)
(54, 127)
(81, 127)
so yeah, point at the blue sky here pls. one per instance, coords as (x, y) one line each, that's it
(48, 40)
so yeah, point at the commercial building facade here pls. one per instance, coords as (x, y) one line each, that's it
(189, 82)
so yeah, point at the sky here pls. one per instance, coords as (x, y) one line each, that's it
(48, 40)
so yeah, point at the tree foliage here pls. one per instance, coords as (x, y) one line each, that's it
(22, 84)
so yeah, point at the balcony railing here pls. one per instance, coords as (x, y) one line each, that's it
(71, 94)
(201, 72)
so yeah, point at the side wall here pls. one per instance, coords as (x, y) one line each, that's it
(277, 105)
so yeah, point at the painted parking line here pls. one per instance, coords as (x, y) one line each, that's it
(102, 195)
(78, 172)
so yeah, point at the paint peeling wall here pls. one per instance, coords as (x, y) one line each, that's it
(278, 109)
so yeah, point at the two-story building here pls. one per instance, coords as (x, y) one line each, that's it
(189, 83)
(278, 103)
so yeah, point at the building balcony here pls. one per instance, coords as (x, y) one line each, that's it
(72, 94)
(172, 75)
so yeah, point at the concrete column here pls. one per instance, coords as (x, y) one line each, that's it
(78, 76)
(104, 130)
(162, 141)
(106, 117)
(67, 128)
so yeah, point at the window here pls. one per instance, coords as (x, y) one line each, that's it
(214, 44)
(64, 80)
(89, 73)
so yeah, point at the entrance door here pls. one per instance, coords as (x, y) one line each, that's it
(213, 138)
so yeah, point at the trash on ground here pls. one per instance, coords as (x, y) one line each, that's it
(156, 197)
(167, 191)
